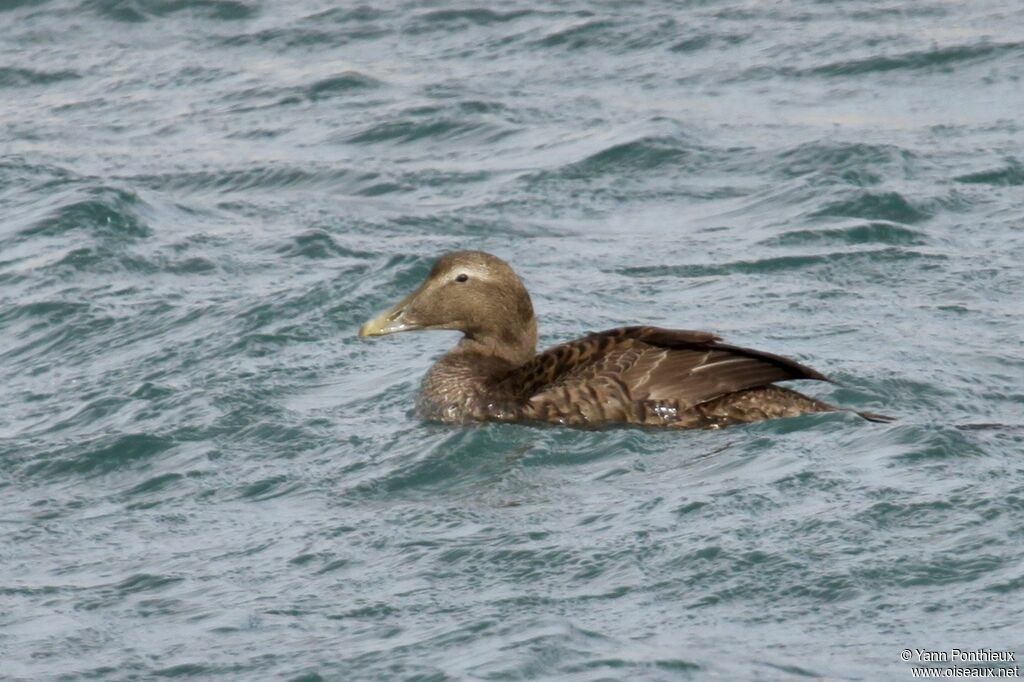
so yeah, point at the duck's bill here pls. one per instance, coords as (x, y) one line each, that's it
(391, 321)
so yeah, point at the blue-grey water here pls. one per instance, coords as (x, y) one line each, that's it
(205, 474)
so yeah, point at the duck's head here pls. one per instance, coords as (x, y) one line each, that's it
(472, 292)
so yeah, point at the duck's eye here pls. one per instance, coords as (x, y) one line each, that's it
(462, 278)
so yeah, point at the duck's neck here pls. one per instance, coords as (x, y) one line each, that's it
(515, 346)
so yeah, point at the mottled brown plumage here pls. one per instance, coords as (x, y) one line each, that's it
(630, 375)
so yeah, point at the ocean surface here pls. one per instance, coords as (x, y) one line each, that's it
(205, 474)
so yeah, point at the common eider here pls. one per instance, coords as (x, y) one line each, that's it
(629, 375)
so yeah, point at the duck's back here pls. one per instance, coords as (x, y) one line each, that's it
(663, 377)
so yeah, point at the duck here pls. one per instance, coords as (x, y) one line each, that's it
(635, 375)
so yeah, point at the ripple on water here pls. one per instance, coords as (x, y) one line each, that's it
(319, 244)
(646, 154)
(232, 181)
(268, 488)
(346, 84)
(941, 445)
(461, 19)
(156, 484)
(636, 160)
(102, 211)
(580, 34)
(873, 232)
(857, 164)
(429, 124)
(709, 39)
(130, 588)
(451, 459)
(783, 263)
(327, 28)
(99, 456)
(340, 84)
(937, 58)
(14, 77)
(1010, 175)
(221, 10)
(40, 331)
(891, 206)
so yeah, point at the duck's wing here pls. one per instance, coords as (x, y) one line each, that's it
(646, 365)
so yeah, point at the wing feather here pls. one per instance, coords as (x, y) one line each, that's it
(618, 370)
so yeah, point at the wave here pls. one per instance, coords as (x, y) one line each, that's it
(477, 459)
(102, 211)
(340, 85)
(138, 11)
(318, 244)
(936, 58)
(614, 35)
(890, 206)
(704, 41)
(53, 309)
(100, 456)
(328, 28)
(13, 77)
(858, 164)
(1010, 175)
(252, 177)
(454, 19)
(781, 263)
(640, 158)
(589, 33)
(435, 128)
(644, 154)
(872, 232)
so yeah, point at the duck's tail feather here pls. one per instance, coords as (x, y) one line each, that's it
(875, 417)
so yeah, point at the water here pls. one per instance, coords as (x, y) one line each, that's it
(203, 473)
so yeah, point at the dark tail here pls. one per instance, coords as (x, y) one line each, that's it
(875, 417)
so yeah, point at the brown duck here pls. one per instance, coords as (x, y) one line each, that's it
(630, 375)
